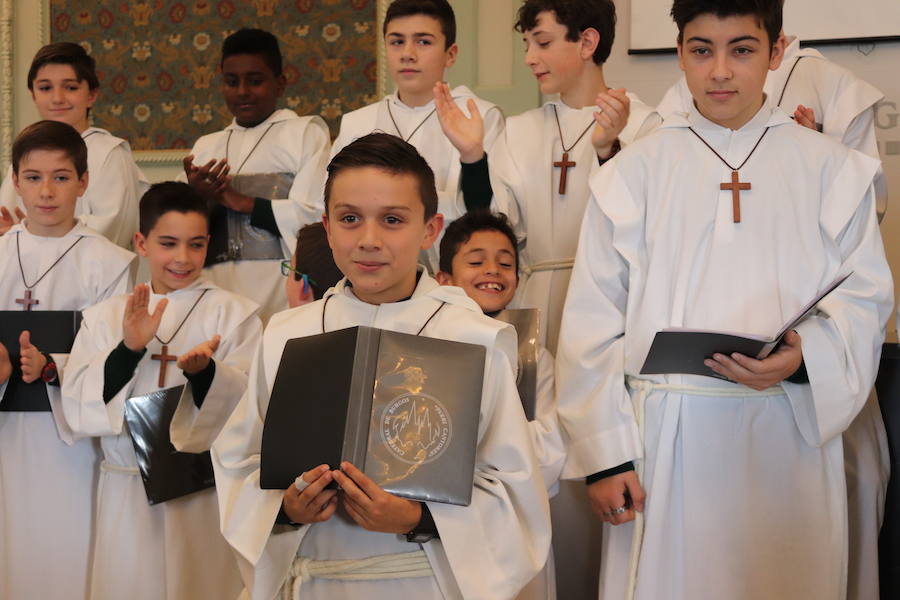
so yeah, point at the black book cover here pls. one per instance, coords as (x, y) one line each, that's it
(166, 472)
(52, 332)
(526, 322)
(402, 408)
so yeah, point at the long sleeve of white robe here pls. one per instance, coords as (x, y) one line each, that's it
(488, 549)
(546, 434)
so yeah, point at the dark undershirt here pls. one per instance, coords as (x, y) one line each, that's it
(262, 216)
(475, 183)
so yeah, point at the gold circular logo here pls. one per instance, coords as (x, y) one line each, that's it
(416, 428)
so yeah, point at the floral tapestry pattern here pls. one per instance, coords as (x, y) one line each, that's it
(158, 61)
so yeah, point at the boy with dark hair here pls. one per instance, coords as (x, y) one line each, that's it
(262, 174)
(377, 222)
(546, 156)
(420, 40)
(64, 86)
(311, 270)
(49, 261)
(174, 549)
(732, 487)
(479, 254)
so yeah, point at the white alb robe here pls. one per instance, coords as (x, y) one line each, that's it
(746, 496)
(526, 188)
(173, 550)
(844, 106)
(115, 185)
(429, 139)
(45, 543)
(283, 143)
(488, 550)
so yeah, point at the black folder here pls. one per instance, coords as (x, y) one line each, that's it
(526, 322)
(167, 473)
(402, 408)
(53, 332)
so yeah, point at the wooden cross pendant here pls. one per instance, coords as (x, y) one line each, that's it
(164, 359)
(27, 301)
(735, 186)
(564, 164)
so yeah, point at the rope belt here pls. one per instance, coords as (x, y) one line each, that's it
(382, 567)
(644, 388)
(106, 467)
(548, 265)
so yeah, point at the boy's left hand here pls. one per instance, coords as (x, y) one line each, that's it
(373, 508)
(195, 360)
(465, 133)
(614, 107)
(32, 361)
(236, 201)
(761, 374)
(806, 117)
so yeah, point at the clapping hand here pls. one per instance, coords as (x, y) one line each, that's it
(8, 219)
(211, 179)
(465, 133)
(197, 359)
(138, 324)
(611, 117)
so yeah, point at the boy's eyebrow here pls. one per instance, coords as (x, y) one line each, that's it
(66, 80)
(354, 207)
(736, 40)
(418, 34)
(176, 238)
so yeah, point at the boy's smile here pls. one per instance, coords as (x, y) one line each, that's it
(416, 57)
(175, 250)
(250, 88)
(485, 267)
(376, 227)
(59, 96)
(725, 62)
(50, 187)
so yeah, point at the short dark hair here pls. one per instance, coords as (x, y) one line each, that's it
(166, 197)
(767, 12)
(65, 53)
(388, 153)
(462, 229)
(254, 41)
(577, 16)
(440, 10)
(50, 135)
(313, 256)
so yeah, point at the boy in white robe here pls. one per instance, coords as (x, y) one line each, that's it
(420, 45)
(45, 543)
(479, 254)
(381, 207)
(829, 98)
(263, 173)
(171, 550)
(64, 86)
(739, 491)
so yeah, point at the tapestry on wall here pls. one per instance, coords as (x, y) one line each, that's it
(158, 61)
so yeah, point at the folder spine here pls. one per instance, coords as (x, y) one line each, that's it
(362, 390)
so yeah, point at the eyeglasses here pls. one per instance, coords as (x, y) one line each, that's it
(287, 269)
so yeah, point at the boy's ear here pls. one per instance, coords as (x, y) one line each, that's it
(282, 84)
(15, 177)
(776, 55)
(680, 51)
(140, 243)
(433, 228)
(452, 53)
(590, 39)
(327, 225)
(443, 278)
(92, 97)
(83, 183)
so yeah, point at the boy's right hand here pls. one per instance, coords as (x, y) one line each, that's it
(211, 179)
(5, 365)
(314, 503)
(138, 325)
(8, 219)
(465, 133)
(608, 496)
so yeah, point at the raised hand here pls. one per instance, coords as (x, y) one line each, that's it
(613, 109)
(806, 116)
(465, 133)
(8, 219)
(30, 359)
(211, 179)
(138, 324)
(313, 503)
(195, 360)
(373, 508)
(5, 365)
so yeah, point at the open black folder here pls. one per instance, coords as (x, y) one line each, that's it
(52, 332)
(402, 408)
(683, 351)
(167, 473)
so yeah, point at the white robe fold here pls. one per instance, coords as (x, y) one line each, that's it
(173, 550)
(746, 497)
(44, 543)
(487, 550)
(283, 143)
(429, 139)
(526, 188)
(115, 185)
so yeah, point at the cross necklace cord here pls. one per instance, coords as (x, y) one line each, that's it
(164, 357)
(253, 149)
(565, 163)
(735, 186)
(394, 121)
(28, 301)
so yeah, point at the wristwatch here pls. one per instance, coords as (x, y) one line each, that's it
(49, 373)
